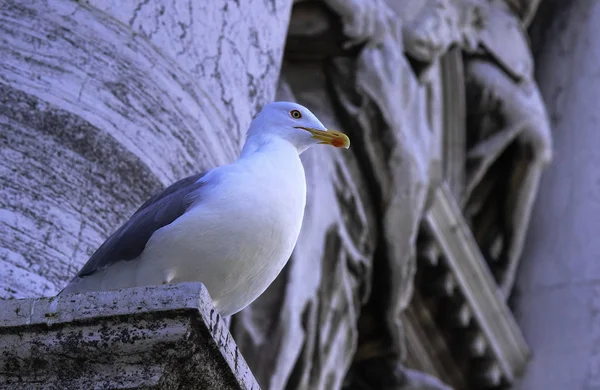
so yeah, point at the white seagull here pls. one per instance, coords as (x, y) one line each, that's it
(232, 228)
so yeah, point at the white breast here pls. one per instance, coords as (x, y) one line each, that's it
(238, 236)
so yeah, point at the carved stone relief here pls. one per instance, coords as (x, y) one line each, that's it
(506, 118)
(508, 140)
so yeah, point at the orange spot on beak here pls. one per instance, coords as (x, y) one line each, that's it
(338, 142)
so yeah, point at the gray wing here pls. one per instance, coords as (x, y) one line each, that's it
(129, 241)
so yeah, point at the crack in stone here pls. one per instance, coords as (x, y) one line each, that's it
(137, 10)
(228, 103)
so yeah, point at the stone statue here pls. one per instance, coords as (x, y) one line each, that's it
(509, 129)
(500, 89)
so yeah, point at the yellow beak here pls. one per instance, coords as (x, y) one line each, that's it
(329, 137)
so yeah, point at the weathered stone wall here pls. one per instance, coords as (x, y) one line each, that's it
(103, 103)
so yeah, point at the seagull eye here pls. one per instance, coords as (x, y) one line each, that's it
(296, 114)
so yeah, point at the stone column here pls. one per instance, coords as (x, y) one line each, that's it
(103, 103)
(558, 294)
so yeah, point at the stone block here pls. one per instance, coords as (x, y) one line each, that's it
(159, 337)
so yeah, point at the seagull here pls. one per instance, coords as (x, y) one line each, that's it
(233, 227)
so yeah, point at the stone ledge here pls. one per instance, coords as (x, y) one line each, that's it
(160, 337)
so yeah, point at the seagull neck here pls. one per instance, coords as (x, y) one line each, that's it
(263, 144)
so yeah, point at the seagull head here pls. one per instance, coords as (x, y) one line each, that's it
(294, 123)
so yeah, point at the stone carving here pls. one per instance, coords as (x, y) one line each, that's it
(508, 128)
(439, 24)
(501, 90)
